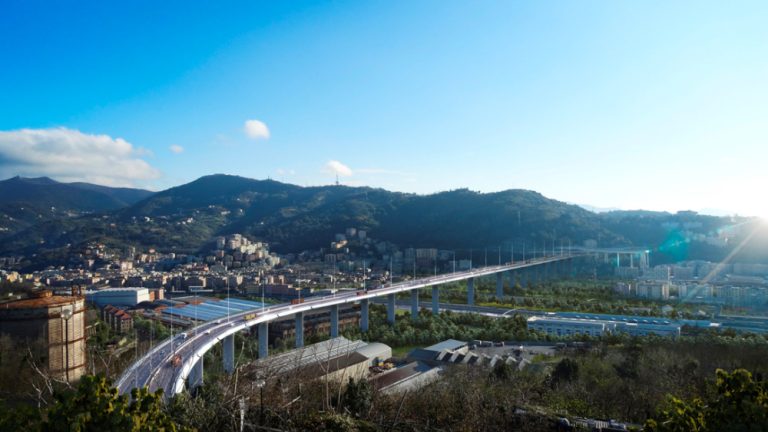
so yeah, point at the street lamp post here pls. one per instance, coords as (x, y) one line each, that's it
(260, 384)
(227, 298)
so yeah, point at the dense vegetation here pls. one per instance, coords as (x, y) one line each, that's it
(668, 386)
(293, 218)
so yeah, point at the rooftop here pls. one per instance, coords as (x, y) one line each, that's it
(448, 344)
(35, 303)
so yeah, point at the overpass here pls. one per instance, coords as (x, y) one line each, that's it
(156, 369)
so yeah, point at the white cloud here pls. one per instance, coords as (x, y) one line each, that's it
(176, 149)
(256, 129)
(70, 155)
(337, 168)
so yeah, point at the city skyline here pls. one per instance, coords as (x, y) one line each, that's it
(651, 105)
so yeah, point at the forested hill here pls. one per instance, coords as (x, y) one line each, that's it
(294, 218)
(25, 202)
(43, 192)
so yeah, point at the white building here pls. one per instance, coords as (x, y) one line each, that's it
(653, 290)
(557, 326)
(658, 273)
(118, 296)
(562, 326)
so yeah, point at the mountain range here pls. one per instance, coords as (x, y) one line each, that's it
(62, 217)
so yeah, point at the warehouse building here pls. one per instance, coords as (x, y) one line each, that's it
(337, 359)
(127, 297)
(594, 326)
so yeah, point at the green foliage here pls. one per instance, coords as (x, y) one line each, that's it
(208, 410)
(502, 371)
(357, 397)
(738, 402)
(150, 328)
(566, 370)
(431, 328)
(19, 418)
(97, 406)
(334, 422)
(293, 218)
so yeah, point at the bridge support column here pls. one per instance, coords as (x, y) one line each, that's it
(435, 300)
(229, 354)
(415, 305)
(364, 306)
(335, 321)
(391, 308)
(499, 286)
(512, 277)
(471, 291)
(263, 340)
(195, 378)
(299, 329)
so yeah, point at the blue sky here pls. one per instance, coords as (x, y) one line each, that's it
(655, 105)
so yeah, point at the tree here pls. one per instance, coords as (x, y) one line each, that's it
(738, 403)
(566, 370)
(357, 397)
(502, 371)
(19, 418)
(97, 406)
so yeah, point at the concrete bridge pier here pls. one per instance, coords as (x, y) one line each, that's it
(263, 340)
(435, 300)
(364, 309)
(229, 354)
(299, 329)
(195, 378)
(335, 321)
(512, 279)
(499, 285)
(415, 305)
(391, 308)
(471, 291)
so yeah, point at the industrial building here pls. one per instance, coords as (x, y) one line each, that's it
(556, 326)
(595, 325)
(53, 328)
(118, 296)
(337, 359)
(409, 376)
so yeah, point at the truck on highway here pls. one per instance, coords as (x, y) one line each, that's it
(249, 317)
(297, 301)
(176, 360)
